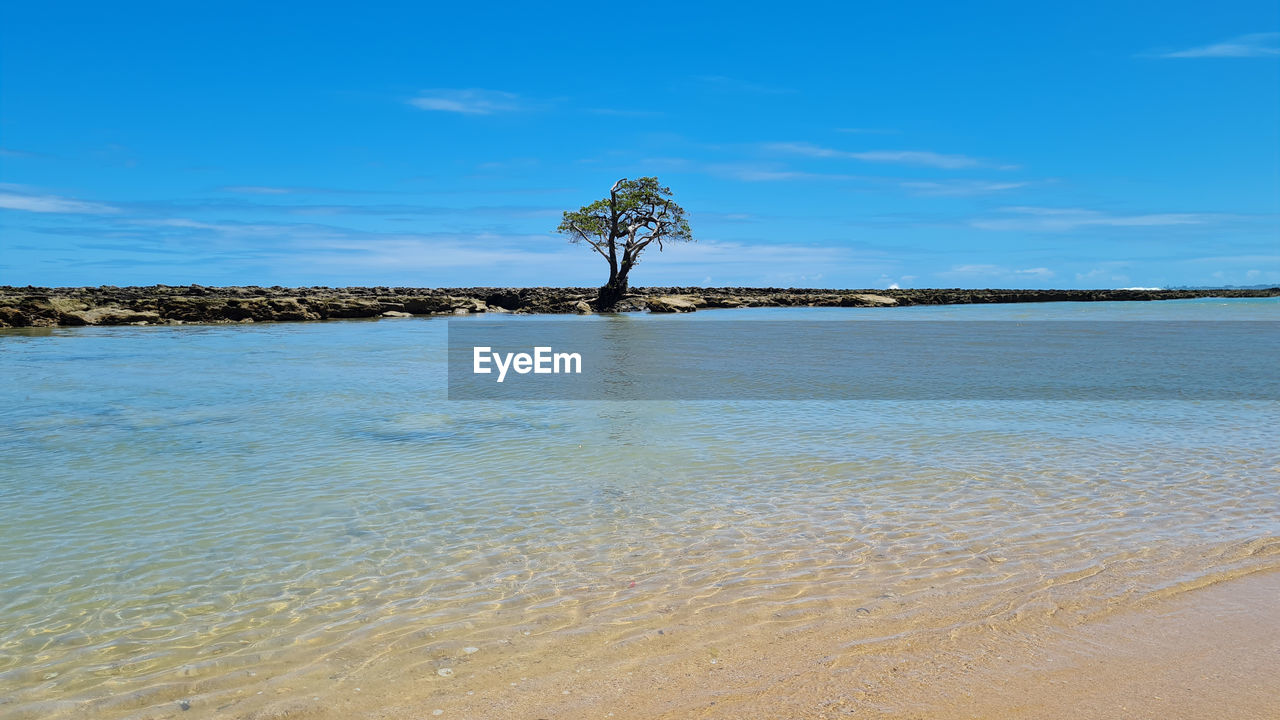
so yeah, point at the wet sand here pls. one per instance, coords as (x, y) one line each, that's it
(1211, 652)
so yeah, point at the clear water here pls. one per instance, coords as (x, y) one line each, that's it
(190, 511)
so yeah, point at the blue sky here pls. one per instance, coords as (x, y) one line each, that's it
(1090, 144)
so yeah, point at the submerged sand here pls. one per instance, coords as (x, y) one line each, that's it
(1210, 652)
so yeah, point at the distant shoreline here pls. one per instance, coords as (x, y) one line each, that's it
(167, 304)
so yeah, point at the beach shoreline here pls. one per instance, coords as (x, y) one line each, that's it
(1190, 655)
(165, 304)
(1193, 655)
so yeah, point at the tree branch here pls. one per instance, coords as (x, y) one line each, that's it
(582, 235)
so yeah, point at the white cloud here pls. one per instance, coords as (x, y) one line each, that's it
(1246, 46)
(14, 153)
(997, 272)
(734, 217)
(1041, 273)
(1041, 219)
(961, 188)
(468, 102)
(622, 112)
(1037, 272)
(916, 157)
(897, 157)
(728, 84)
(1256, 258)
(757, 173)
(737, 262)
(725, 252)
(1107, 274)
(53, 204)
(257, 190)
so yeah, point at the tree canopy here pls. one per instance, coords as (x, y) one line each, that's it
(636, 214)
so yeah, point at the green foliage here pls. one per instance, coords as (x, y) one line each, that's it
(619, 227)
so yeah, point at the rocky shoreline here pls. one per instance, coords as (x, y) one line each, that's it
(165, 304)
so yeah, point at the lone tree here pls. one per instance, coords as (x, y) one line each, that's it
(621, 226)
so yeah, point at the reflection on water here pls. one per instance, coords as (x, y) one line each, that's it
(215, 505)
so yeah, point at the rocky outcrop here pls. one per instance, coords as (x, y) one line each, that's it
(867, 300)
(672, 304)
(49, 307)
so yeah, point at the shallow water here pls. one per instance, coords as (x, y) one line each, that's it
(188, 510)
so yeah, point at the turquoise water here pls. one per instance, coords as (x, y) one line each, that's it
(189, 511)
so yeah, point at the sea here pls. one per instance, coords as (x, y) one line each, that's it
(195, 517)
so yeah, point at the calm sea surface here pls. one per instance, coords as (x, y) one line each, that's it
(187, 512)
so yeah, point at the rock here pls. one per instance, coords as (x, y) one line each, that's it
(396, 314)
(458, 303)
(866, 300)
(112, 316)
(109, 305)
(426, 305)
(724, 302)
(507, 299)
(352, 308)
(582, 308)
(631, 303)
(13, 317)
(286, 309)
(671, 304)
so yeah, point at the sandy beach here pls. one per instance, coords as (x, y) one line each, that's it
(1195, 654)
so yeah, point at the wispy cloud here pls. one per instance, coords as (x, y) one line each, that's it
(867, 131)
(728, 84)
(53, 204)
(1042, 219)
(716, 261)
(768, 173)
(1113, 273)
(898, 157)
(916, 157)
(468, 102)
(960, 188)
(620, 112)
(728, 217)
(14, 153)
(309, 190)
(997, 271)
(1255, 45)
(259, 190)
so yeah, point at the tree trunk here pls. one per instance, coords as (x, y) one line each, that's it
(616, 288)
(611, 292)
